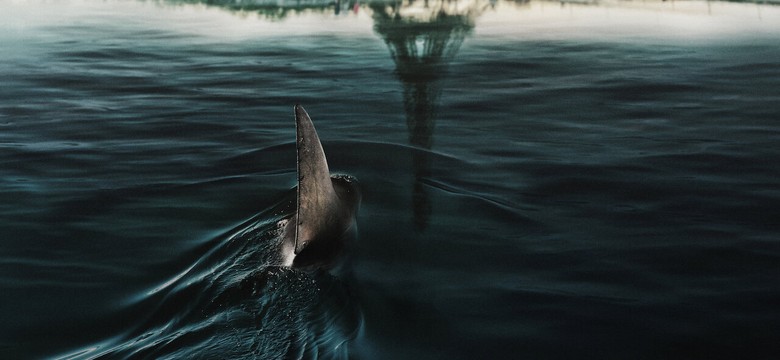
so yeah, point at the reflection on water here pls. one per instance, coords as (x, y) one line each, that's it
(275, 9)
(423, 37)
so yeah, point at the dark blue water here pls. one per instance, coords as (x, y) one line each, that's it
(540, 180)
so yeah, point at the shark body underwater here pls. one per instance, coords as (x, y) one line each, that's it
(276, 286)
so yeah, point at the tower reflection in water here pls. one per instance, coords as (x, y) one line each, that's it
(423, 38)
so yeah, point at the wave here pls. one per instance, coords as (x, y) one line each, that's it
(234, 301)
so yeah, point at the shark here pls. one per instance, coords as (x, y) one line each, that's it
(277, 288)
(327, 204)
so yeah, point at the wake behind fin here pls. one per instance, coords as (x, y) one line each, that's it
(316, 196)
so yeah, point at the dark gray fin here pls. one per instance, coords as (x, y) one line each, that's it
(316, 196)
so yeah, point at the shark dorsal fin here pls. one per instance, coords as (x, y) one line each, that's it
(316, 195)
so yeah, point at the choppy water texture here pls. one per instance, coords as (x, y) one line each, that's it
(540, 180)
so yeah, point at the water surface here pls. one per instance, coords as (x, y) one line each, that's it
(540, 180)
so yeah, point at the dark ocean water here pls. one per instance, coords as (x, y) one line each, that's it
(540, 180)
